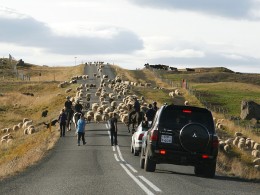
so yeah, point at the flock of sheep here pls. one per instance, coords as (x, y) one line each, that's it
(241, 142)
(113, 97)
(26, 125)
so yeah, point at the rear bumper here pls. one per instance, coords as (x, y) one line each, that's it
(180, 158)
(138, 146)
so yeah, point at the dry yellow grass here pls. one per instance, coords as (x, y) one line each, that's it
(25, 150)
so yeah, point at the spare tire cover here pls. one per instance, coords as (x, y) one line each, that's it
(194, 137)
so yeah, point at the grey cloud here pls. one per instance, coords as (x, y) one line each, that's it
(32, 33)
(225, 8)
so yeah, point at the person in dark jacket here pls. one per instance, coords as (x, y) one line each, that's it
(62, 121)
(150, 113)
(155, 106)
(113, 129)
(68, 104)
(136, 105)
(78, 107)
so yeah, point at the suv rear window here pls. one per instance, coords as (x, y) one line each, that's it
(176, 118)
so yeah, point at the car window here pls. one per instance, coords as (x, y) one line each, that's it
(177, 118)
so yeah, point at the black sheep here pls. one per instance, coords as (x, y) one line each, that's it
(44, 113)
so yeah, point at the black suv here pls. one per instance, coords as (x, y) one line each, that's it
(181, 135)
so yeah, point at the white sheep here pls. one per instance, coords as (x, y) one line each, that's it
(27, 123)
(256, 146)
(16, 128)
(227, 148)
(186, 103)
(255, 153)
(256, 161)
(97, 117)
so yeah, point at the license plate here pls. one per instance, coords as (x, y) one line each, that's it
(166, 139)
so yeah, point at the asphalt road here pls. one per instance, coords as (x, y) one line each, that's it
(99, 168)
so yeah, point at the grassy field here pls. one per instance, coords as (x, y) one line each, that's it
(25, 150)
(228, 94)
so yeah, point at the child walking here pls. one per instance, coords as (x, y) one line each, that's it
(81, 129)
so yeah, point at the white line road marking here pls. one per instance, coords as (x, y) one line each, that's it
(144, 188)
(122, 159)
(130, 167)
(109, 134)
(154, 187)
(119, 153)
(150, 184)
(116, 157)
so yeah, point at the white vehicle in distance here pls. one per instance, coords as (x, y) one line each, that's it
(136, 143)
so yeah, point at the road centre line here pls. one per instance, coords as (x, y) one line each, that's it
(115, 155)
(155, 188)
(142, 186)
(122, 159)
(150, 184)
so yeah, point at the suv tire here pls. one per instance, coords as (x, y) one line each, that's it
(149, 165)
(206, 169)
(194, 137)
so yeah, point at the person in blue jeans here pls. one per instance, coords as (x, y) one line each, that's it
(62, 121)
(81, 129)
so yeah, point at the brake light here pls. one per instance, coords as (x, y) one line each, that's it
(140, 136)
(204, 156)
(186, 111)
(154, 135)
(163, 152)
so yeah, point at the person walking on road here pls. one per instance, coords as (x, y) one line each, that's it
(155, 106)
(81, 129)
(62, 120)
(78, 107)
(113, 129)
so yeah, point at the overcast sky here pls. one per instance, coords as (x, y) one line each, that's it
(130, 33)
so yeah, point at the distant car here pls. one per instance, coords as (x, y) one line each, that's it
(136, 143)
(181, 135)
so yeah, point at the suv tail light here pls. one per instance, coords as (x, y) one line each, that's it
(140, 136)
(154, 135)
(163, 152)
(187, 111)
(205, 156)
